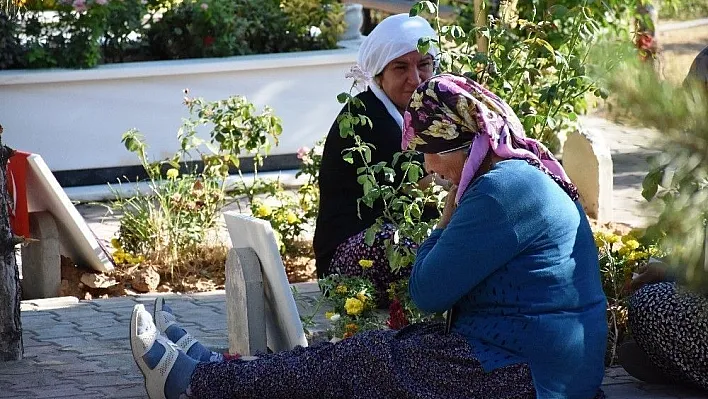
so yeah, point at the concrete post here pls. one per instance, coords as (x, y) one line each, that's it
(245, 302)
(41, 260)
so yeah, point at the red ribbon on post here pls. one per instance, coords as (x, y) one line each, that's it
(17, 188)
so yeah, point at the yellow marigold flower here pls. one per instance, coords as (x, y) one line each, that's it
(599, 239)
(637, 255)
(612, 238)
(172, 173)
(119, 256)
(328, 315)
(631, 244)
(263, 210)
(366, 263)
(341, 289)
(351, 327)
(361, 296)
(353, 306)
(291, 218)
(115, 243)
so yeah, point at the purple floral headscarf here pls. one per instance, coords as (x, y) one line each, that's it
(450, 111)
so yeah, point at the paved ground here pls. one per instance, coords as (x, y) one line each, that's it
(630, 148)
(80, 349)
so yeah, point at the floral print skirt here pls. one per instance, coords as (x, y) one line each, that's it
(347, 257)
(419, 361)
(671, 326)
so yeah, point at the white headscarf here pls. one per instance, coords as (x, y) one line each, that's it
(395, 36)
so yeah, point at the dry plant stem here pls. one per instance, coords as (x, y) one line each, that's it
(11, 347)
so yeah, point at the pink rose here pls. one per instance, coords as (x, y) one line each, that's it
(302, 152)
(408, 131)
(79, 5)
(645, 42)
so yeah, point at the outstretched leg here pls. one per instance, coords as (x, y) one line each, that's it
(167, 369)
(166, 323)
(418, 361)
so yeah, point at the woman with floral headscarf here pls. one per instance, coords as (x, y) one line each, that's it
(513, 257)
(390, 67)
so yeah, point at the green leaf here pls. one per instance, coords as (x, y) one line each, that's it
(429, 6)
(348, 158)
(650, 184)
(367, 154)
(539, 42)
(414, 174)
(370, 235)
(457, 31)
(343, 97)
(131, 144)
(423, 45)
(415, 10)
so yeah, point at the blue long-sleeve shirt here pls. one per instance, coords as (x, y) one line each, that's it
(519, 264)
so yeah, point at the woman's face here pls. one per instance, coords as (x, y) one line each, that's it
(448, 166)
(401, 77)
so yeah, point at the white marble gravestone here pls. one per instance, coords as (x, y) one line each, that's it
(283, 326)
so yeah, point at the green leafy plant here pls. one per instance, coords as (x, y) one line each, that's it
(535, 60)
(402, 310)
(683, 9)
(11, 52)
(676, 184)
(194, 29)
(315, 24)
(285, 215)
(85, 33)
(169, 226)
(393, 185)
(310, 192)
(68, 40)
(620, 255)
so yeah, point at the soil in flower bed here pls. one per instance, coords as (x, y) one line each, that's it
(208, 276)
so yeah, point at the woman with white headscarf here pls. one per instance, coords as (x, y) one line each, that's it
(391, 68)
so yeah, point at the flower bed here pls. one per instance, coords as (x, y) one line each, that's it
(86, 33)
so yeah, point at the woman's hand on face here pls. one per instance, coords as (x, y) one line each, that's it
(450, 207)
(433, 179)
(652, 272)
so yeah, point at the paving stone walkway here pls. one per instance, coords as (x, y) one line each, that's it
(80, 349)
(630, 148)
